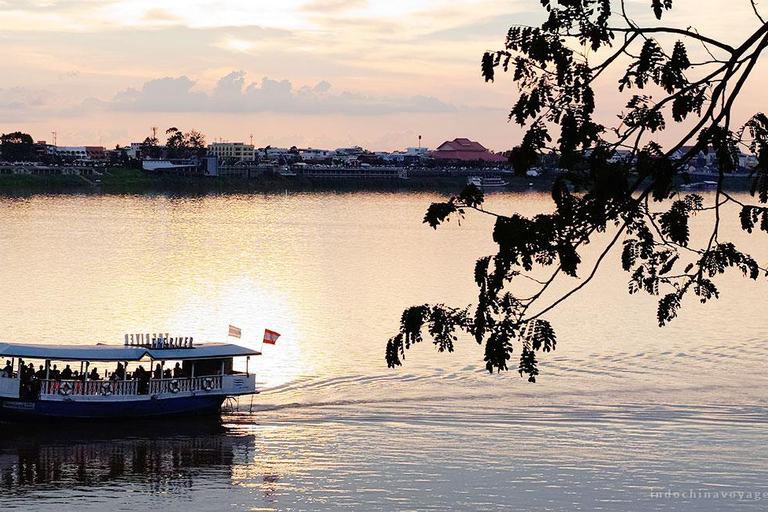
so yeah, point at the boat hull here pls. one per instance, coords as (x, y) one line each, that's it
(15, 410)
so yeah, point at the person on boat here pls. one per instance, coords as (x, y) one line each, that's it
(142, 376)
(8, 370)
(158, 372)
(66, 373)
(55, 373)
(119, 373)
(94, 375)
(40, 374)
(178, 373)
(167, 373)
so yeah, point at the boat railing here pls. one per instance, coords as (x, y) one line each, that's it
(129, 387)
(89, 388)
(177, 385)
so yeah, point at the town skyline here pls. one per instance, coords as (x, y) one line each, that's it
(320, 73)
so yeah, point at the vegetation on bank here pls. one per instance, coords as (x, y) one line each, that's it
(136, 181)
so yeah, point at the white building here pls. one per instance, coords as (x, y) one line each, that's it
(271, 153)
(135, 149)
(416, 152)
(72, 152)
(237, 151)
(316, 154)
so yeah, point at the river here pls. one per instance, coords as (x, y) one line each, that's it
(625, 415)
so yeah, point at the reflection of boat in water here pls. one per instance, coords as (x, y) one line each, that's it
(163, 457)
(487, 182)
(202, 378)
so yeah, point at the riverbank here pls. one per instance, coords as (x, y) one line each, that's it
(136, 182)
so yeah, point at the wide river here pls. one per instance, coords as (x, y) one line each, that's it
(625, 416)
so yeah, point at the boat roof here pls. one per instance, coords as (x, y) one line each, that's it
(101, 352)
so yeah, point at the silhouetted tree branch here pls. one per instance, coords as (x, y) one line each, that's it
(618, 180)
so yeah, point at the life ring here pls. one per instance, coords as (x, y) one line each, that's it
(173, 386)
(207, 383)
(65, 389)
(106, 388)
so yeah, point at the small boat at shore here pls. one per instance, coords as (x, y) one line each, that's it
(700, 185)
(482, 182)
(202, 378)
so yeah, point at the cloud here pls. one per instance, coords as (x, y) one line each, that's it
(158, 15)
(333, 6)
(162, 95)
(51, 5)
(234, 94)
(17, 103)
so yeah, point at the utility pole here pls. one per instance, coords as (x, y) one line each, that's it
(54, 138)
(419, 142)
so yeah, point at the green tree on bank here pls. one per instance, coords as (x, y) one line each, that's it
(668, 74)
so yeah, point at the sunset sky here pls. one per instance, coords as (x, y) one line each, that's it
(319, 73)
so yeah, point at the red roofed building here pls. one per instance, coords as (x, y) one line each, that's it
(465, 150)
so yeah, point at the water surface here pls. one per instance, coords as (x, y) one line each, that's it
(625, 416)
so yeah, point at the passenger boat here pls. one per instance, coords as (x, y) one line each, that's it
(487, 182)
(202, 378)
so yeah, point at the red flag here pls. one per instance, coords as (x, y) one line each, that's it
(235, 332)
(270, 337)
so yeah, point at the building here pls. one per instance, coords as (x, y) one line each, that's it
(363, 171)
(279, 154)
(97, 154)
(465, 150)
(232, 151)
(205, 166)
(316, 155)
(72, 153)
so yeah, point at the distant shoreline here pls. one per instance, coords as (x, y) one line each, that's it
(136, 182)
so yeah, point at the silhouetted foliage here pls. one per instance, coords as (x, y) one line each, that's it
(618, 180)
(17, 147)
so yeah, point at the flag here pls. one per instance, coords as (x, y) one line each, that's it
(234, 331)
(270, 337)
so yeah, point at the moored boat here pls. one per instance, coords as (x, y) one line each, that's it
(487, 182)
(202, 378)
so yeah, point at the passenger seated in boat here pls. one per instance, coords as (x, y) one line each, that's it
(8, 370)
(167, 373)
(178, 373)
(119, 373)
(94, 375)
(66, 373)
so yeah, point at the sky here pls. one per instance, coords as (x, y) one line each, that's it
(310, 73)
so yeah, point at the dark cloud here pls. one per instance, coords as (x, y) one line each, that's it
(233, 94)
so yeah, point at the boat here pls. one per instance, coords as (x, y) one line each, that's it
(699, 185)
(487, 182)
(202, 378)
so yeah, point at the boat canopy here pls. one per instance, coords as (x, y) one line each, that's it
(123, 353)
